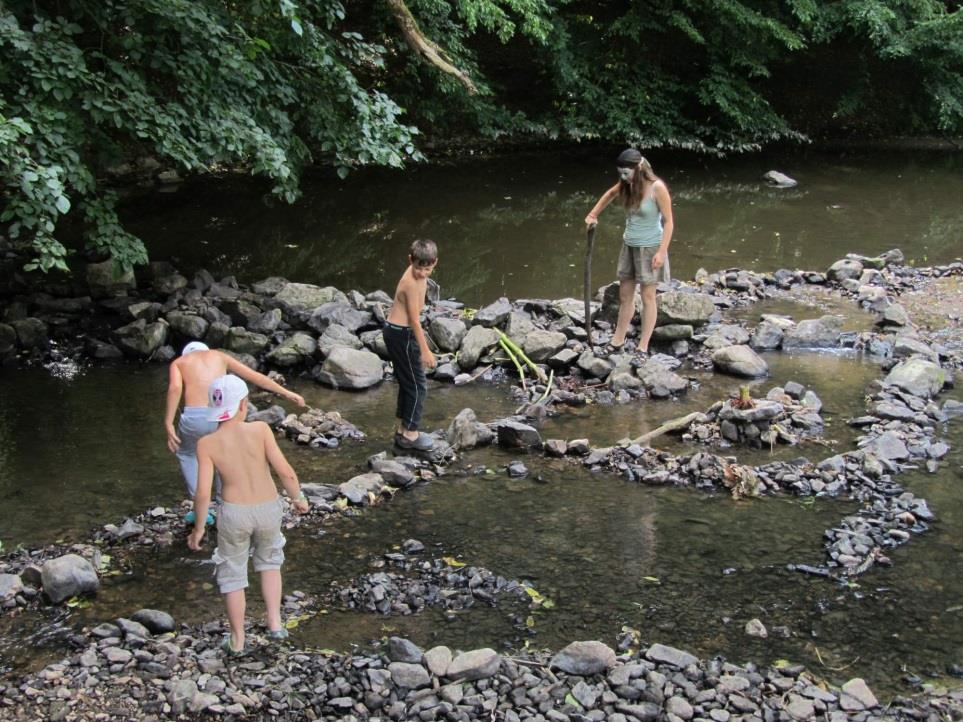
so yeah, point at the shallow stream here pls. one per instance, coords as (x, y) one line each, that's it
(683, 567)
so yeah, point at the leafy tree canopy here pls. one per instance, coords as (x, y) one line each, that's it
(274, 85)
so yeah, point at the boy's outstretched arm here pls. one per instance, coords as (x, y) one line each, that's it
(202, 497)
(260, 380)
(175, 387)
(284, 470)
(413, 306)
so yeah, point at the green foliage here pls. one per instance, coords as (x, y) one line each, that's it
(197, 84)
(275, 85)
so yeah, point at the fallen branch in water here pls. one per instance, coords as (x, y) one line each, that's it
(487, 368)
(683, 422)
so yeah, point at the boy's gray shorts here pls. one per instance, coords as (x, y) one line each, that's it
(635, 263)
(239, 528)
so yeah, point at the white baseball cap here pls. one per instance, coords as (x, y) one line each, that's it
(224, 396)
(194, 346)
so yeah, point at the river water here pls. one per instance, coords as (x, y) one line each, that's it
(684, 568)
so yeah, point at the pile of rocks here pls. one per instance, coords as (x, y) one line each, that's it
(413, 583)
(133, 668)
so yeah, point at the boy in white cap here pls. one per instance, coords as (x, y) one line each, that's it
(189, 376)
(250, 514)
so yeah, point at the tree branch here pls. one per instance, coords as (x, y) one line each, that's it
(425, 47)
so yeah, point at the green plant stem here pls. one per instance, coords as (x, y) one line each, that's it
(512, 346)
(521, 370)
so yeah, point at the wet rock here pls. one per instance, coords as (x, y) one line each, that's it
(556, 447)
(540, 345)
(494, 314)
(68, 576)
(517, 470)
(516, 435)
(593, 365)
(337, 335)
(672, 332)
(670, 655)
(298, 300)
(240, 340)
(297, 349)
(448, 333)
(563, 359)
(267, 322)
(107, 279)
(917, 376)
(404, 650)
(349, 368)
(763, 410)
(844, 269)
(464, 432)
(690, 309)
(474, 665)
(341, 313)
(821, 332)
(141, 338)
(437, 659)
(680, 707)
(31, 332)
(131, 628)
(584, 658)
(356, 489)
(476, 342)
(409, 676)
(906, 346)
(894, 315)
(375, 341)
(8, 340)
(779, 180)
(156, 621)
(270, 286)
(755, 628)
(766, 336)
(857, 696)
(723, 335)
(187, 325)
(394, 473)
(10, 586)
(643, 711)
(740, 361)
(888, 445)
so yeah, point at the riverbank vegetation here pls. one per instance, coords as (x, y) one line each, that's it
(277, 85)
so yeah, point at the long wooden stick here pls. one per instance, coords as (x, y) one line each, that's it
(589, 244)
(683, 422)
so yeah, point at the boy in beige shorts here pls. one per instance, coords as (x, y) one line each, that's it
(250, 516)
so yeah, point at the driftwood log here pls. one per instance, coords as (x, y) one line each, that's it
(679, 424)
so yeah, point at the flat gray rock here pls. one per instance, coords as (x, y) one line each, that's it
(584, 658)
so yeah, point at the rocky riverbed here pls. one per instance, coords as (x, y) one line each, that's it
(321, 332)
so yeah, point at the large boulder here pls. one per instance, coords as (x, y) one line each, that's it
(187, 325)
(844, 269)
(678, 307)
(518, 326)
(293, 351)
(348, 368)
(917, 376)
(448, 332)
(584, 658)
(108, 279)
(240, 340)
(337, 335)
(540, 345)
(8, 340)
(31, 332)
(298, 300)
(494, 314)
(821, 332)
(68, 576)
(477, 664)
(740, 361)
(357, 488)
(592, 365)
(141, 338)
(476, 342)
(515, 434)
(10, 586)
(341, 313)
(767, 335)
(465, 431)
